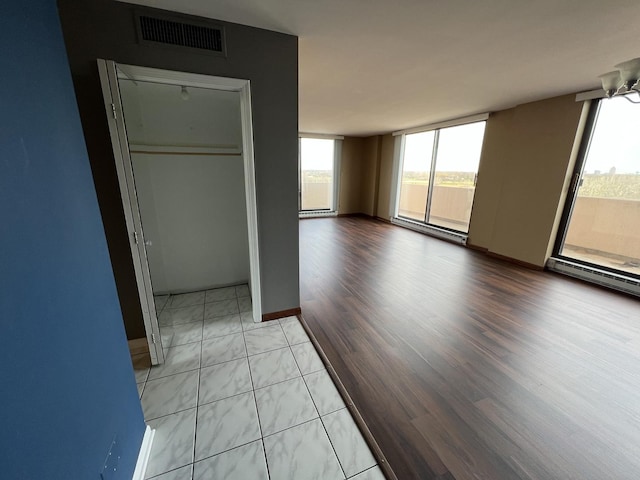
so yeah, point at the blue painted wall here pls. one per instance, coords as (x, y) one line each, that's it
(66, 383)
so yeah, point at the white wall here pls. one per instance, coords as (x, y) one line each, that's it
(193, 206)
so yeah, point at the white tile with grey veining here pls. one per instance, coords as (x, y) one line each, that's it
(160, 302)
(141, 374)
(352, 450)
(183, 473)
(307, 358)
(241, 463)
(221, 308)
(284, 405)
(302, 452)
(249, 324)
(178, 316)
(187, 299)
(293, 331)
(221, 326)
(177, 360)
(226, 424)
(243, 291)
(223, 349)
(372, 474)
(172, 443)
(218, 294)
(265, 339)
(244, 304)
(273, 367)
(173, 335)
(324, 392)
(170, 394)
(224, 380)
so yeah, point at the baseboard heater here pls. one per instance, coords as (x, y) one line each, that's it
(460, 238)
(317, 213)
(594, 275)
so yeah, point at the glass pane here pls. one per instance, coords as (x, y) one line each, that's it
(416, 168)
(316, 173)
(605, 223)
(457, 161)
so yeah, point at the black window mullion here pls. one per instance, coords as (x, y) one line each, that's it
(574, 186)
(432, 174)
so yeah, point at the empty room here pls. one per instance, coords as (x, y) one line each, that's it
(334, 240)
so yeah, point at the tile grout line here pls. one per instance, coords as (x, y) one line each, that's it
(195, 427)
(320, 418)
(328, 413)
(199, 369)
(317, 409)
(292, 426)
(255, 401)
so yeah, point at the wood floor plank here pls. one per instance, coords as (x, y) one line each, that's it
(467, 367)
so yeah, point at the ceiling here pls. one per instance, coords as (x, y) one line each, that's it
(375, 66)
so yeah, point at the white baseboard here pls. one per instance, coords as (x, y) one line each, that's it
(617, 281)
(143, 455)
(317, 213)
(455, 237)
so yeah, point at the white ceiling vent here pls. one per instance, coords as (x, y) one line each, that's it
(201, 37)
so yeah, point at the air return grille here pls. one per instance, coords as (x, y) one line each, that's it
(180, 34)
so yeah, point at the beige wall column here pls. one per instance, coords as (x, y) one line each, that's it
(385, 177)
(524, 170)
(370, 174)
(349, 198)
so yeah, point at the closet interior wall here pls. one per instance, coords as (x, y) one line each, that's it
(185, 146)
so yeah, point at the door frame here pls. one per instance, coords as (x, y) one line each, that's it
(109, 74)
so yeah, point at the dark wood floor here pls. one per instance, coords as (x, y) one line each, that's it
(467, 367)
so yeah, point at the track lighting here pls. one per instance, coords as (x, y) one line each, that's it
(624, 80)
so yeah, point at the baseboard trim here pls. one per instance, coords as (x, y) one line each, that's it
(138, 346)
(364, 429)
(317, 214)
(477, 248)
(431, 230)
(354, 215)
(515, 261)
(143, 455)
(281, 314)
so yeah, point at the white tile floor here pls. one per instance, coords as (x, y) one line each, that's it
(242, 400)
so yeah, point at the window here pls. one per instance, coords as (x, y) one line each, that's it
(602, 226)
(317, 189)
(438, 175)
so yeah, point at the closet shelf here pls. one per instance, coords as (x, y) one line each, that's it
(205, 150)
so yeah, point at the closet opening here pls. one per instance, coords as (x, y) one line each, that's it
(184, 155)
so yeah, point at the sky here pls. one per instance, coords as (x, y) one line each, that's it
(458, 149)
(316, 153)
(616, 139)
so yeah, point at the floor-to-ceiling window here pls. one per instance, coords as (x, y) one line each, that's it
(438, 171)
(602, 226)
(318, 166)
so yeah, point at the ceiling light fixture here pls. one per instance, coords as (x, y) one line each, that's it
(184, 93)
(624, 80)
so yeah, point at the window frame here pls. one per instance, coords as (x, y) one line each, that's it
(572, 195)
(337, 157)
(399, 168)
